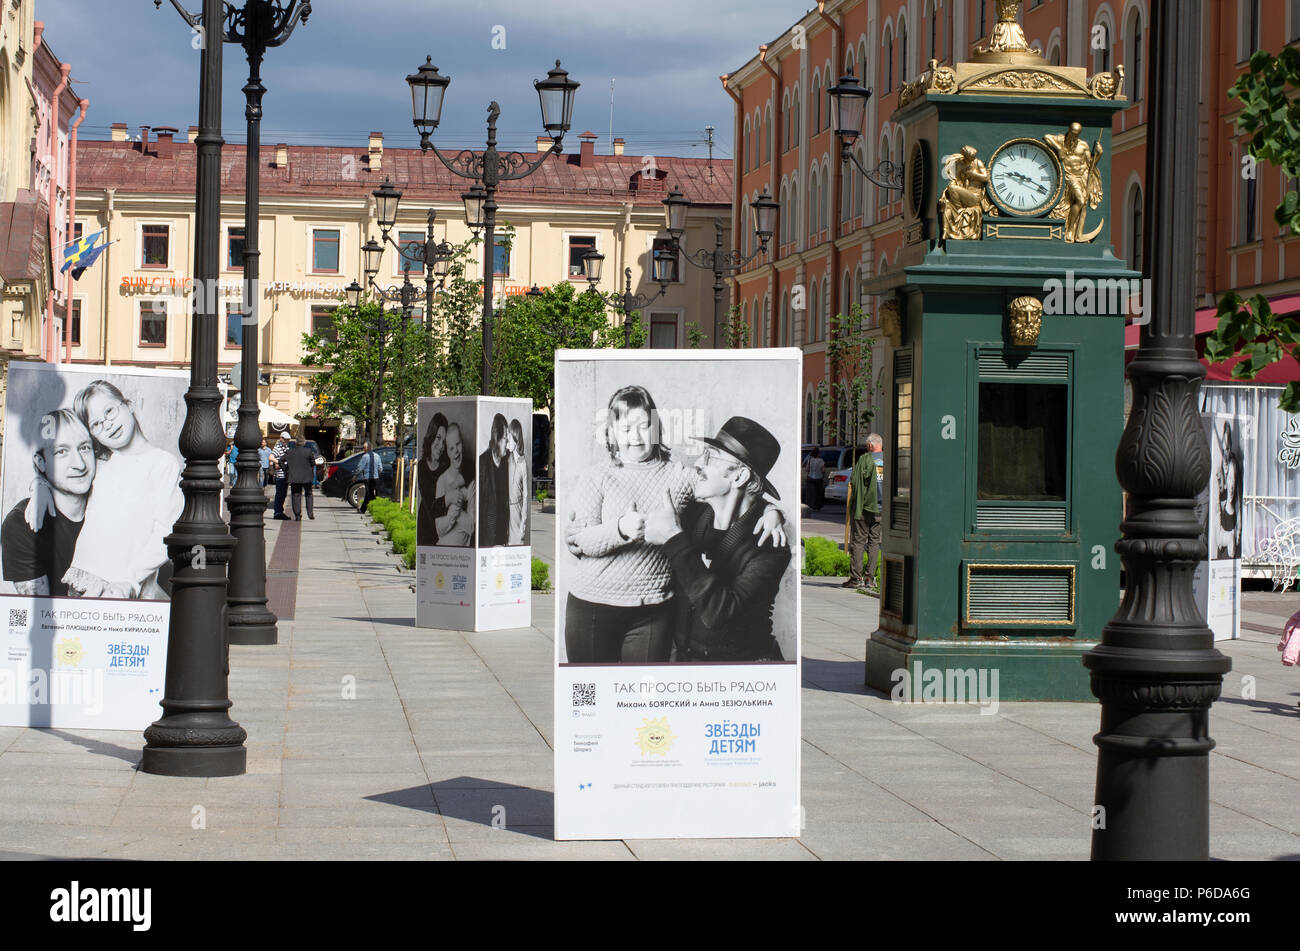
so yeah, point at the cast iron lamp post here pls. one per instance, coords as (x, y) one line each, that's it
(663, 267)
(848, 102)
(720, 261)
(257, 27)
(195, 735)
(489, 168)
(1156, 671)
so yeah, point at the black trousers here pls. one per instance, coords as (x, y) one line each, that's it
(281, 493)
(298, 489)
(372, 489)
(608, 634)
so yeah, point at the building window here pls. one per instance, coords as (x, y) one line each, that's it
(1133, 48)
(1101, 47)
(153, 323)
(810, 315)
(794, 120)
(783, 321)
(325, 250)
(155, 241)
(889, 60)
(579, 245)
(1248, 202)
(1054, 57)
(663, 331)
(75, 319)
(1135, 231)
(817, 106)
(984, 26)
(934, 30)
(77, 231)
(1248, 29)
(235, 248)
(234, 326)
(665, 244)
(322, 323)
(902, 52)
(408, 257)
(1294, 32)
(501, 258)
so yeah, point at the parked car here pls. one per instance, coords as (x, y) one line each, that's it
(343, 480)
(838, 469)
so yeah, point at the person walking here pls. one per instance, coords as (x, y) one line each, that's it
(866, 499)
(815, 472)
(300, 468)
(370, 470)
(281, 480)
(264, 459)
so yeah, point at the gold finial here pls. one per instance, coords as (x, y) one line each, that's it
(1007, 35)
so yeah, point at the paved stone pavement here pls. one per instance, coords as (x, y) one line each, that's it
(446, 726)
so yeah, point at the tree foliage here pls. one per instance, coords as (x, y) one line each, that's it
(849, 354)
(1271, 114)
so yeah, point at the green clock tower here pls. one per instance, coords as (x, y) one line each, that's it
(1005, 314)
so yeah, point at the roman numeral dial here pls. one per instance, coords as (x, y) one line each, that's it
(1024, 178)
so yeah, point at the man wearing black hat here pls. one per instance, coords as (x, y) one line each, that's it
(726, 584)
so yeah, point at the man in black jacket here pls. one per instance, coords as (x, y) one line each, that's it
(724, 581)
(300, 468)
(494, 488)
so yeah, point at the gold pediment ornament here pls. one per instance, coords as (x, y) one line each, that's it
(1025, 320)
(1008, 66)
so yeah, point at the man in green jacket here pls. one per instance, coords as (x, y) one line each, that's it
(866, 497)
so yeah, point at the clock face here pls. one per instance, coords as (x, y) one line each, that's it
(1024, 178)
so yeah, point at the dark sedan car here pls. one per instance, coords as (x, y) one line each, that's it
(343, 480)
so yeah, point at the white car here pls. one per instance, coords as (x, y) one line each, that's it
(837, 475)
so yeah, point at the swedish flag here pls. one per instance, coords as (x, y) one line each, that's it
(81, 254)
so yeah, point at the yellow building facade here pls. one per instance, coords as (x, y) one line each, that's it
(316, 212)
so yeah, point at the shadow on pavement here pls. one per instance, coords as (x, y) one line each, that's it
(486, 802)
(401, 621)
(1265, 706)
(838, 676)
(100, 748)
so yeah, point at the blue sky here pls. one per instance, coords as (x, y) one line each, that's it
(342, 74)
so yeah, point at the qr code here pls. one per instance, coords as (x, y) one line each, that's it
(17, 617)
(584, 695)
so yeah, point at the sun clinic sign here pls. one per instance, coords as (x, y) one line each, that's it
(677, 594)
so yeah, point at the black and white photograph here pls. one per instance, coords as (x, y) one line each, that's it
(1225, 489)
(677, 509)
(91, 481)
(446, 473)
(504, 472)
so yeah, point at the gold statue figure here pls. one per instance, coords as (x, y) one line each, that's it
(1007, 36)
(1082, 180)
(961, 203)
(1026, 321)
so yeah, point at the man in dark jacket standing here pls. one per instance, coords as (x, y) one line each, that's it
(494, 488)
(300, 468)
(369, 471)
(726, 582)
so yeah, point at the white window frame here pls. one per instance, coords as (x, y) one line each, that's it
(649, 273)
(84, 300)
(139, 345)
(139, 246)
(225, 246)
(310, 264)
(677, 312)
(397, 254)
(564, 259)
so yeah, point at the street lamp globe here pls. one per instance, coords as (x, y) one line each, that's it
(353, 293)
(663, 267)
(556, 95)
(675, 207)
(442, 260)
(764, 215)
(372, 252)
(534, 291)
(387, 197)
(474, 200)
(592, 262)
(428, 87)
(848, 106)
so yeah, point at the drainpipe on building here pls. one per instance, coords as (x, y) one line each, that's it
(627, 233)
(84, 104)
(737, 203)
(111, 195)
(49, 346)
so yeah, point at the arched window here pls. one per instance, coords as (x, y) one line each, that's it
(759, 310)
(767, 134)
(1054, 55)
(817, 103)
(794, 122)
(1133, 53)
(823, 312)
(1101, 47)
(902, 51)
(785, 122)
(860, 184)
(932, 15)
(784, 212)
(783, 319)
(812, 205)
(810, 315)
(888, 44)
(794, 208)
(1247, 198)
(846, 302)
(808, 418)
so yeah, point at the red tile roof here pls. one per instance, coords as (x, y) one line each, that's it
(24, 236)
(335, 172)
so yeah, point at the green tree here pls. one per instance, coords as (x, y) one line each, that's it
(456, 360)
(1271, 114)
(348, 350)
(735, 332)
(849, 354)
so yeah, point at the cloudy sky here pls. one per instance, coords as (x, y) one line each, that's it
(342, 74)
